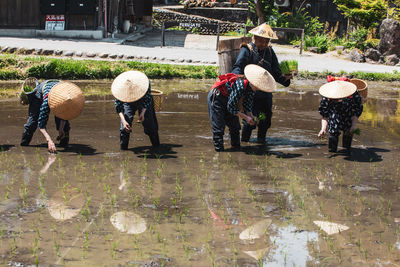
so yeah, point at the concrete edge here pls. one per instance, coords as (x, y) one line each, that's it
(75, 34)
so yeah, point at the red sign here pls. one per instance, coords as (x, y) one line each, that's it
(55, 22)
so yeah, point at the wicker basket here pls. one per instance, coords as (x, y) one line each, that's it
(158, 99)
(362, 88)
(32, 83)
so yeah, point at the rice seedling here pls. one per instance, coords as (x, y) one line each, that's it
(114, 250)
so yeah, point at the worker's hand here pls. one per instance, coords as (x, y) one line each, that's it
(250, 120)
(51, 147)
(289, 76)
(141, 115)
(127, 127)
(250, 114)
(353, 128)
(322, 132)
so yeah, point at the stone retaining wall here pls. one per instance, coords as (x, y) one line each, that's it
(238, 15)
(162, 15)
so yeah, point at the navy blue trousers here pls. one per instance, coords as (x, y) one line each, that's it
(35, 99)
(220, 117)
(150, 123)
(262, 104)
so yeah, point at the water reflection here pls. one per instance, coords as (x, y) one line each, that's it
(192, 205)
(290, 247)
(65, 204)
(383, 113)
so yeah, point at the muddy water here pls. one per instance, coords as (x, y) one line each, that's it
(186, 205)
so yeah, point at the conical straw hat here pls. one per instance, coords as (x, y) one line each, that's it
(264, 30)
(66, 100)
(337, 89)
(130, 86)
(260, 78)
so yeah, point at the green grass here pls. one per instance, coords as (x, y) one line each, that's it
(16, 67)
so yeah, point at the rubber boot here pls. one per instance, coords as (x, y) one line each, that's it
(333, 143)
(261, 139)
(124, 140)
(261, 135)
(246, 133)
(218, 141)
(155, 140)
(347, 139)
(26, 138)
(235, 141)
(64, 141)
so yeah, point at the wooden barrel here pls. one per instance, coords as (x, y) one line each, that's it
(228, 51)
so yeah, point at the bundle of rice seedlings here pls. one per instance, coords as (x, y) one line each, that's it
(289, 67)
(28, 88)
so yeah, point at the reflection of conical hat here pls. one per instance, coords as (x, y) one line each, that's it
(264, 30)
(130, 86)
(257, 254)
(66, 100)
(128, 222)
(337, 89)
(260, 78)
(256, 230)
(331, 228)
(64, 205)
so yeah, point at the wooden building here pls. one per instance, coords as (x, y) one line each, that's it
(72, 14)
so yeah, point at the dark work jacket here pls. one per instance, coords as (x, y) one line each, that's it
(265, 58)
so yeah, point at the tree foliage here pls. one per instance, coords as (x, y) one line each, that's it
(364, 13)
(262, 8)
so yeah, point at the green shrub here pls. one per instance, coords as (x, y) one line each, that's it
(321, 41)
(357, 38)
(372, 43)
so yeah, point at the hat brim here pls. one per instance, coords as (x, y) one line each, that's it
(260, 78)
(66, 100)
(130, 86)
(337, 89)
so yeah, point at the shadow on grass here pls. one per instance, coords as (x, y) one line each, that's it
(164, 151)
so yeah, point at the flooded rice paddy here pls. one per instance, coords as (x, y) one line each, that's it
(288, 203)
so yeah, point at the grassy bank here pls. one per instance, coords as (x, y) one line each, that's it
(14, 67)
(17, 67)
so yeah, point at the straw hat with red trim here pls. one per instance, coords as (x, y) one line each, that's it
(130, 86)
(259, 78)
(66, 100)
(265, 31)
(337, 89)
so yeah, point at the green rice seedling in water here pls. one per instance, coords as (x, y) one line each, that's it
(13, 247)
(114, 250)
(56, 247)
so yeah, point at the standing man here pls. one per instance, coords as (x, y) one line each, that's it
(64, 99)
(132, 93)
(260, 52)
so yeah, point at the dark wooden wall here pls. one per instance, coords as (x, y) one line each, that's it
(20, 13)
